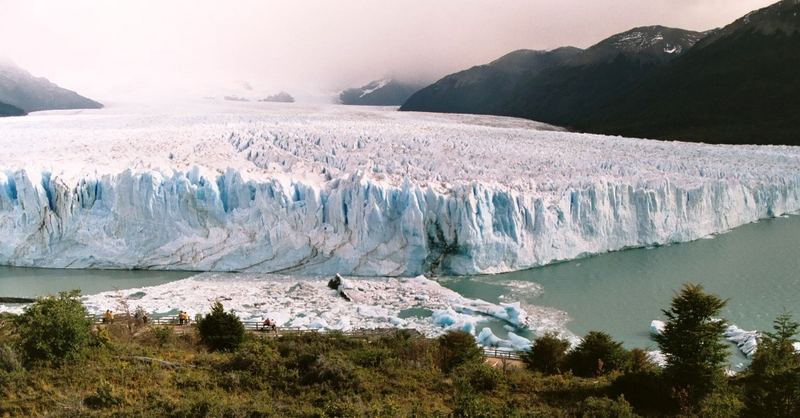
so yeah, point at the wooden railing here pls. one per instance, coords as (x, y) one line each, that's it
(502, 354)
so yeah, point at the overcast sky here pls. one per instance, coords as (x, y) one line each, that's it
(112, 49)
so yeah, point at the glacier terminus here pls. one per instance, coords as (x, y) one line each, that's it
(274, 188)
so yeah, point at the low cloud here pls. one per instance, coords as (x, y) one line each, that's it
(110, 49)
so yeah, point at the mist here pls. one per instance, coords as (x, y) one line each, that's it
(116, 50)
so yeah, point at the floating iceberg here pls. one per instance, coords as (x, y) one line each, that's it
(321, 190)
(657, 327)
(746, 341)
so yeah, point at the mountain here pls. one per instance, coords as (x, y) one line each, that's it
(386, 92)
(8, 110)
(580, 87)
(484, 89)
(738, 85)
(282, 97)
(22, 90)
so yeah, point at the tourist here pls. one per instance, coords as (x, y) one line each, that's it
(108, 317)
(183, 318)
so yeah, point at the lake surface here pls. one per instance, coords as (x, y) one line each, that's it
(30, 282)
(756, 267)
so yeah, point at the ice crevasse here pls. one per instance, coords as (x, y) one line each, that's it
(353, 225)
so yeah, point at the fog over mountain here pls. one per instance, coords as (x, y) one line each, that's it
(146, 49)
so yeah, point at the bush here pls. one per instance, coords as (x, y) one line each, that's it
(103, 398)
(547, 354)
(457, 348)
(54, 330)
(479, 377)
(592, 407)
(645, 389)
(724, 404)
(9, 360)
(220, 330)
(333, 371)
(596, 355)
(163, 335)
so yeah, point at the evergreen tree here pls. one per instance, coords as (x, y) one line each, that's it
(772, 385)
(547, 355)
(220, 330)
(692, 343)
(457, 348)
(597, 354)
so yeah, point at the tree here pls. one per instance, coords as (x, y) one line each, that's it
(547, 354)
(772, 383)
(597, 354)
(457, 348)
(692, 344)
(54, 329)
(220, 330)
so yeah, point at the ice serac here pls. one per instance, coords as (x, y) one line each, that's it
(185, 220)
(367, 192)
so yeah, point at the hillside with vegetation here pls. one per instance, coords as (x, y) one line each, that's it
(54, 361)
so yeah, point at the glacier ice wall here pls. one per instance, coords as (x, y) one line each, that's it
(357, 225)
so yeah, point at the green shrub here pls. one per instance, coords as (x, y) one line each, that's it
(470, 405)
(101, 338)
(412, 350)
(596, 355)
(724, 404)
(457, 348)
(261, 366)
(9, 360)
(334, 371)
(163, 335)
(103, 398)
(220, 330)
(593, 407)
(372, 357)
(54, 329)
(645, 390)
(479, 377)
(547, 354)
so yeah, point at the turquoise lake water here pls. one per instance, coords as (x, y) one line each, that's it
(28, 282)
(756, 267)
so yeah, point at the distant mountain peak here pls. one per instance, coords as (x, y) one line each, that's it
(21, 89)
(386, 91)
(647, 43)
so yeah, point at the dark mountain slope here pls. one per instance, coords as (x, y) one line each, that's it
(8, 110)
(20, 89)
(568, 94)
(486, 88)
(740, 85)
(379, 93)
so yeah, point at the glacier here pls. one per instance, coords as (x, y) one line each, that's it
(318, 190)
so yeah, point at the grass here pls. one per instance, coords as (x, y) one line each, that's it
(307, 375)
